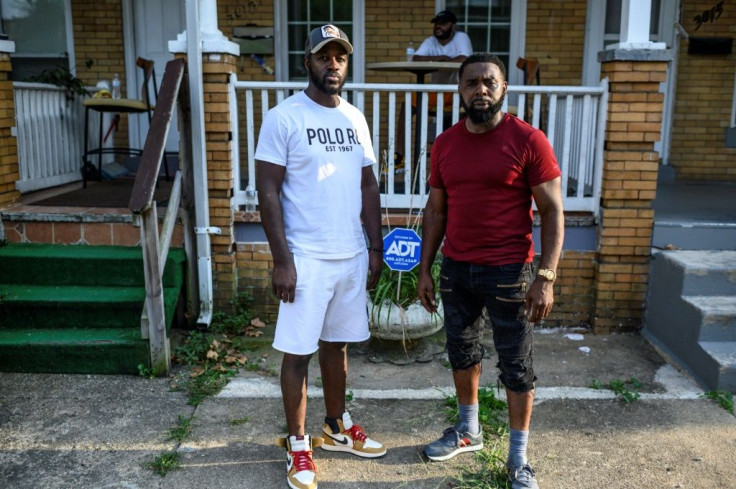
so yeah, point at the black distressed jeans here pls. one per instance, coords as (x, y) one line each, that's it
(465, 289)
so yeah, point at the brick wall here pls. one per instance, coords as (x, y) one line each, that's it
(628, 188)
(254, 264)
(8, 149)
(574, 289)
(555, 34)
(98, 36)
(703, 101)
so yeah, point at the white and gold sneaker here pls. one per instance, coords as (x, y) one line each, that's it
(301, 473)
(351, 438)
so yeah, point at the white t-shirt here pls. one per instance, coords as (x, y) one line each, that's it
(324, 151)
(459, 45)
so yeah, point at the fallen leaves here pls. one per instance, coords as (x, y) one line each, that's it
(251, 329)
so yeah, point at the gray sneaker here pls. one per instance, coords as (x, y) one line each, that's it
(452, 443)
(523, 477)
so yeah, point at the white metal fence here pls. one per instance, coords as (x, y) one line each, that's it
(50, 135)
(573, 118)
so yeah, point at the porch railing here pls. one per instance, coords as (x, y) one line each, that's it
(155, 241)
(573, 118)
(50, 131)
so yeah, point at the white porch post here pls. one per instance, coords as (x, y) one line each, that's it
(201, 22)
(635, 26)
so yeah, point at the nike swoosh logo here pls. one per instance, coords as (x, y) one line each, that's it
(342, 440)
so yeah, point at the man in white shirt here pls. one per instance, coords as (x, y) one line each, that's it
(446, 44)
(318, 198)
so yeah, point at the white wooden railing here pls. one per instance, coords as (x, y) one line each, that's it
(50, 133)
(573, 118)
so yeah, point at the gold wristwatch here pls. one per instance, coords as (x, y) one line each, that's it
(547, 274)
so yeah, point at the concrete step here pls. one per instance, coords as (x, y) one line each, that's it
(716, 316)
(703, 272)
(691, 310)
(723, 374)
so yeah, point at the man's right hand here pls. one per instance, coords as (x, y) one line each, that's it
(283, 281)
(425, 289)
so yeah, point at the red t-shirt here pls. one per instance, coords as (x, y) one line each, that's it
(488, 178)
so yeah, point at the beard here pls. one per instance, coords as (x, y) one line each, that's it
(481, 116)
(322, 84)
(443, 35)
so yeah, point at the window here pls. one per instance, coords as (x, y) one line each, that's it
(41, 31)
(305, 15)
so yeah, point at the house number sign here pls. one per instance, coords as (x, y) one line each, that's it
(710, 15)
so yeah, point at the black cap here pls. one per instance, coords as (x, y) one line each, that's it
(325, 34)
(444, 16)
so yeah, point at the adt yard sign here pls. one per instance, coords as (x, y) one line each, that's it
(402, 249)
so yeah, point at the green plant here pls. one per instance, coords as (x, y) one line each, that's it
(209, 383)
(492, 473)
(622, 391)
(182, 428)
(234, 323)
(400, 288)
(724, 398)
(62, 76)
(143, 370)
(349, 396)
(625, 390)
(165, 463)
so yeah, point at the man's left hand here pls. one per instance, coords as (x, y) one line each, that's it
(539, 300)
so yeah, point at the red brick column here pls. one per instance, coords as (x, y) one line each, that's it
(9, 172)
(629, 187)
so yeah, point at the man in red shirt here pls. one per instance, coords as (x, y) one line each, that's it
(485, 171)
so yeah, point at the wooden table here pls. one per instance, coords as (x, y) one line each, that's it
(420, 69)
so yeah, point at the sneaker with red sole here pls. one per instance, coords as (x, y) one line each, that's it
(350, 438)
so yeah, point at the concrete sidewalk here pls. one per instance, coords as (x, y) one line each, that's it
(80, 431)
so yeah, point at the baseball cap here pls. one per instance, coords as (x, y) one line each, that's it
(444, 16)
(320, 36)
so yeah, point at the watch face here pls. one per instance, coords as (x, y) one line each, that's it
(548, 274)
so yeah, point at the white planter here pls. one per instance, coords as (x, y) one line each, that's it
(391, 322)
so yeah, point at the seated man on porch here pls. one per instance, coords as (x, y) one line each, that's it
(446, 44)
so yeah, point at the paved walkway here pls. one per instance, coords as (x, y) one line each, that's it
(80, 431)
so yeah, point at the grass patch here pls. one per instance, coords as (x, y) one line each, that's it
(182, 429)
(165, 463)
(143, 370)
(723, 398)
(239, 421)
(627, 391)
(219, 352)
(492, 473)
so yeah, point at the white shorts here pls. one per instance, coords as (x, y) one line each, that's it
(329, 304)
